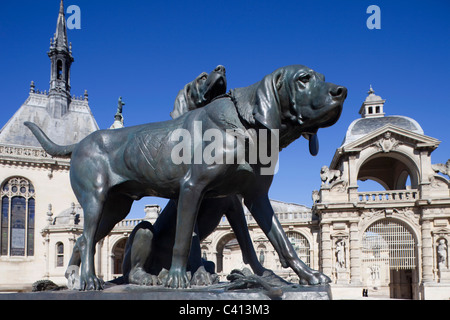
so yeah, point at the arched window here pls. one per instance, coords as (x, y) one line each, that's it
(60, 254)
(301, 246)
(17, 218)
(118, 254)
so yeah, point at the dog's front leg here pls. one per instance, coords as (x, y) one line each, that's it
(262, 211)
(189, 201)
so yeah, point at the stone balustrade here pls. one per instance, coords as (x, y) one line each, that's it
(128, 223)
(282, 217)
(388, 196)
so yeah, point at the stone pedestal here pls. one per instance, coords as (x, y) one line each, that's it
(342, 276)
(213, 293)
(444, 276)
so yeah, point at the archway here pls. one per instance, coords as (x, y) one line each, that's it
(393, 171)
(223, 251)
(389, 263)
(301, 246)
(118, 253)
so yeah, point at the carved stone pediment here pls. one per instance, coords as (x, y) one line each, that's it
(390, 137)
(386, 139)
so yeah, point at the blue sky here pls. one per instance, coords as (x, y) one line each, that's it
(146, 51)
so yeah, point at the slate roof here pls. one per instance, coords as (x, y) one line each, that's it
(364, 126)
(71, 128)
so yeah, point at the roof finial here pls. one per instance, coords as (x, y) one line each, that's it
(61, 7)
(60, 39)
(371, 91)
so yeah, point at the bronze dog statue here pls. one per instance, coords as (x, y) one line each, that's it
(200, 92)
(112, 168)
(195, 94)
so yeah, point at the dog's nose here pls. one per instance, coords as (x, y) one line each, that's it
(338, 92)
(220, 69)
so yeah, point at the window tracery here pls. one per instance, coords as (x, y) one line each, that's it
(17, 217)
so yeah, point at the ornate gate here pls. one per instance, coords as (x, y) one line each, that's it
(389, 258)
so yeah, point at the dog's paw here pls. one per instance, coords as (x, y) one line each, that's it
(140, 277)
(90, 283)
(177, 279)
(314, 278)
(323, 279)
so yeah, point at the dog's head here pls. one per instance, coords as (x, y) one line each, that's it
(297, 101)
(200, 92)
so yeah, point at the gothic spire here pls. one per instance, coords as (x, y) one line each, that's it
(60, 55)
(60, 41)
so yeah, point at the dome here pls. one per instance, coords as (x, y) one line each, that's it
(364, 126)
(373, 118)
(67, 216)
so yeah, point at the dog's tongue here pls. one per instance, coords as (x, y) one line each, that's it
(313, 144)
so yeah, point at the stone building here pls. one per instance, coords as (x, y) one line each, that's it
(40, 217)
(392, 242)
(386, 241)
(30, 179)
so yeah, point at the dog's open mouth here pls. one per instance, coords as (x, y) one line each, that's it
(327, 120)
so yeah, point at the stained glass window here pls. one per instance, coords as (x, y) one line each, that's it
(17, 218)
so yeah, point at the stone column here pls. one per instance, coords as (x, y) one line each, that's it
(47, 256)
(326, 250)
(355, 254)
(427, 252)
(353, 179)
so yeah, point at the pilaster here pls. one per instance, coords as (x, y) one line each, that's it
(427, 251)
(355, 254)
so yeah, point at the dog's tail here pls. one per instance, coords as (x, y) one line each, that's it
(49, 146)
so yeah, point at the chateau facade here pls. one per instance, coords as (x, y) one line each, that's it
(390, 243)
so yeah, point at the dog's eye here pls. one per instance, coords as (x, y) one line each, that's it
(304, 78)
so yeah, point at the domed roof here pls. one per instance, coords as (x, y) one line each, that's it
(373, 118)
(68, 215)
(363, 126)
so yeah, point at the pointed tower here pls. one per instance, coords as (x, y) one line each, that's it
(61, 58)
(64, 118)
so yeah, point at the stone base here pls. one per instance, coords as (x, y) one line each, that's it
(444, 276)
(435, 291)
(134, 292)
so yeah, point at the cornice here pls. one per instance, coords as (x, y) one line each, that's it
(30, 156)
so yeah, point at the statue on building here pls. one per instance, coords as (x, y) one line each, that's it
(315, 196)
(261, 257)
(328, 176)
(340, 254)
(118, 118)
(442, 254)
(442, 168)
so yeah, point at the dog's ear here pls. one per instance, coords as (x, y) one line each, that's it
(267, 102)
(181, 105)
